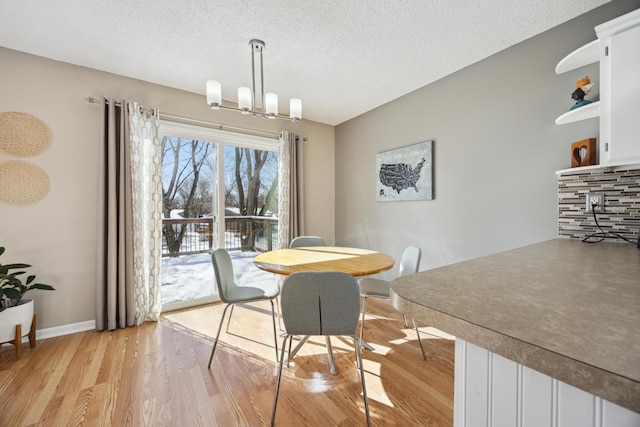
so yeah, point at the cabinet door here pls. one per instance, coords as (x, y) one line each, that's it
(620, 103)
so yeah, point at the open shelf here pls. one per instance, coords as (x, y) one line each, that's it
(609, 168)
(581, 169)
(585, 55)
(581, 113)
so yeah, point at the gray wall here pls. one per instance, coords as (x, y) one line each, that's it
(496, 148)
(57, 235)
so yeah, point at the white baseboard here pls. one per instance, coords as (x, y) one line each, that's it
(57, 331)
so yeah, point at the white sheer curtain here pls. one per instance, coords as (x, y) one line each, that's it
(129, 217)
(146, 201)
(290, 189)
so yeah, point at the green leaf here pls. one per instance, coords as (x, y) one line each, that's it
(17, 273)
(11, 279)
(11, 285)
(16, 265)
(12, 293)
(41, 286)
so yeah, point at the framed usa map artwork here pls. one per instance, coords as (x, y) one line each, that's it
(405, 173)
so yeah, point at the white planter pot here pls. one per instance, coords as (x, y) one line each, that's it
(21, 314)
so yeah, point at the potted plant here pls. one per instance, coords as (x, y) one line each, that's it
(16, 312)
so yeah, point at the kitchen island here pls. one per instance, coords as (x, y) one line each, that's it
(549, 331)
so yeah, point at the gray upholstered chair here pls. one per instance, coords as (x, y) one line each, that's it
(302, 241)
(378, 288)
(231, 293)
(320, 303)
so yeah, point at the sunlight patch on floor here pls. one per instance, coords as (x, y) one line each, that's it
(401, 341)
(371, 367)
(374, 382)
(380, 348)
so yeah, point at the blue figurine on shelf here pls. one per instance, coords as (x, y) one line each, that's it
(583, 88)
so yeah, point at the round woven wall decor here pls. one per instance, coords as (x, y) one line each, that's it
(23, 135)
(22, 183)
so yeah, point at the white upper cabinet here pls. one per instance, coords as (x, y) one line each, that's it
(620, 90)
(618, 50)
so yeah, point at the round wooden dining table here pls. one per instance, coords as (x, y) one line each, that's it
(354, 261)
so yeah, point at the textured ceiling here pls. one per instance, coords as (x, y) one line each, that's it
(341, 57)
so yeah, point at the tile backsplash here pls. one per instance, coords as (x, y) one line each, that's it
(621, 189)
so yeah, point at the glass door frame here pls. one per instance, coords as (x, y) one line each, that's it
(219, 138)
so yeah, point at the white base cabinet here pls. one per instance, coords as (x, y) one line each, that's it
(492, 391)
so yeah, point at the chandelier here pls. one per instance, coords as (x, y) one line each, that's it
(247, 97)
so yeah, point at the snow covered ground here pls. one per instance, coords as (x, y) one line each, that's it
(191, 276)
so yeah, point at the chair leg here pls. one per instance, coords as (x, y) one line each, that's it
(364, 344)
(279, 313)
(404, 317)
(364, 309)
(332, 363)
(415, 326)
(364, 385)
(355, 343)
(292, 353)
(215, 343)
(275, 333)
(275, 398)
(229, 320)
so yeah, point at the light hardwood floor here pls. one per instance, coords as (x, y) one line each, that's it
(156, 375)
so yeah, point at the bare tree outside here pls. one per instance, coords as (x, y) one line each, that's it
(250, 185)
(186, 184)
(254, 187)
(256, 181)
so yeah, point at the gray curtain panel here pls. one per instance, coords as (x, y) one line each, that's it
(296, 207)
(290, 189)
(114, 282)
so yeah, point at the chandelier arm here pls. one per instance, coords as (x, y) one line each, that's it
(259, 114)
(262, 106)
(253, 78)
(226, 107)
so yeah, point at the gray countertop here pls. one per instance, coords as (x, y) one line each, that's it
(568, 309)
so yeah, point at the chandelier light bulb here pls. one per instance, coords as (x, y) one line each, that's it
(214, 94)
(244, 100)
(271, 105)
(295, 109)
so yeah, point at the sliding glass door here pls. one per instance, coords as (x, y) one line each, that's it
(219, 190)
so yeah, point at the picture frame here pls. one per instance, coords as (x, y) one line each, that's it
(405, 173)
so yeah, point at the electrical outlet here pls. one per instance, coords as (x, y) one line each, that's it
(595, 202)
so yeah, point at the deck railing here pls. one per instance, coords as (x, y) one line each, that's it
(247, 233)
